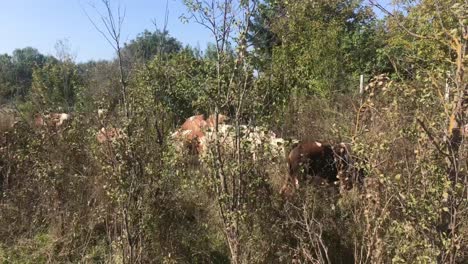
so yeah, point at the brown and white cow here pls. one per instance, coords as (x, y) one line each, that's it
(192, 132)
(321, 163)
(315, 159)
(52, 120)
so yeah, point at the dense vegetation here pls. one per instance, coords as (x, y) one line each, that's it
(290, 66)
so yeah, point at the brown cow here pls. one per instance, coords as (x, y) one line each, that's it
(322, 163)
(195, 124)
(192, 132)
(315, 159)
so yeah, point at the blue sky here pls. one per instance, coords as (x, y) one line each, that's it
(41, 23)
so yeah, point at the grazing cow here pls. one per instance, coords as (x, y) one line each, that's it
(315, 159)
(226, 138)
(192, 132)
(195, 125)
(254, 140)
(52, 120)
(109, 135)
(322, 163)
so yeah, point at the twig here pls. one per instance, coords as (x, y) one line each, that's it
(431, 138)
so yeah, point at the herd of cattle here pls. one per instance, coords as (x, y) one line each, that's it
(306, 161)
(9, 117)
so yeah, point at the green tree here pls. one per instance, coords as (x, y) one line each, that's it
(16, 71)
(55, 85)
(24, 61)
(99, 81)
(427, 45)
(261, 34)
(323, 44)
(312, 48)
(174, 84)
(7, 77)
(150, 44)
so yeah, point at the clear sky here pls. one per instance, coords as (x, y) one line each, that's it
(41, 23)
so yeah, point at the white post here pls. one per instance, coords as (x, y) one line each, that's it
(361, 84)
(447, 88)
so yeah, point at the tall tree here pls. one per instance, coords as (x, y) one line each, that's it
(428, 44)
(322, 45)
(55, 85)
(111, 29)
(7, 78)
(16, 71)
(149, 44)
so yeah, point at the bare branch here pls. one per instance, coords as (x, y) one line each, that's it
(384, 10)
(431, 137)
(98, 29)
(112, 33)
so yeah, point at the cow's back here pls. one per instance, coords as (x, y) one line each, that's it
(315, 158)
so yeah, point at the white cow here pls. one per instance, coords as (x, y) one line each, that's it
(255, 140)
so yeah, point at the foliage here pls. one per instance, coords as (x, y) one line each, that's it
(323, 44)
(99, 81)
(65, 197)
(55, 85)
(148, 44)
(16, 71)
(176, 85)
